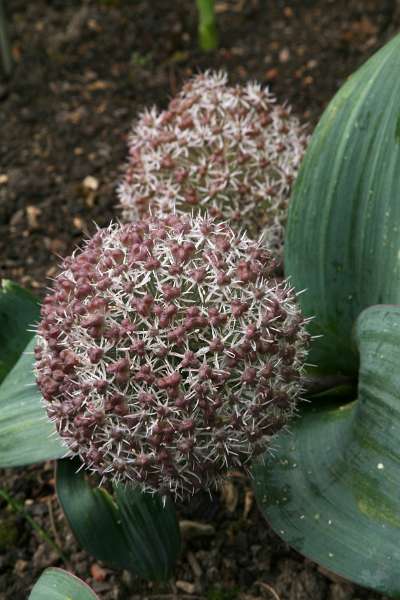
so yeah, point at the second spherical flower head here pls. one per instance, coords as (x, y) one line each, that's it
(230, 151)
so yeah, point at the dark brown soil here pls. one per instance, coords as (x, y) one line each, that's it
(83, 71)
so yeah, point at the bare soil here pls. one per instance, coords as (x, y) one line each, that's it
(83, 71)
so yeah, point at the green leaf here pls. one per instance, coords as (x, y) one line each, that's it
(26, 435)
(92, 515)
(19, 310)
(132, 531)
(57, 584)
(331, 489)
(152, 529)
(343, 234)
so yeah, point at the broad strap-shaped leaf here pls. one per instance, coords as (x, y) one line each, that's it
(343, 235)
(131, 530)
(57, 584)
(151, 527)
(19, 311)
(92, 515)
(331, 489)
(26, 434)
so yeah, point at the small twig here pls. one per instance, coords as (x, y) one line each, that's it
(194, 565)
(172, 81)
(269, 589)
(52, 522)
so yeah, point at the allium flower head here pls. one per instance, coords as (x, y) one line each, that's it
(167, 354)
(230, 151)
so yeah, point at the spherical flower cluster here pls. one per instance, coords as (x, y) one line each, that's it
(166, 353)
(230, 151)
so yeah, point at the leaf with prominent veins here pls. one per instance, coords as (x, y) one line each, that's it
(331, 489)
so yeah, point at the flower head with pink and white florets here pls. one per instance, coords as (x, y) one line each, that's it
(230, 151)
(167, 354)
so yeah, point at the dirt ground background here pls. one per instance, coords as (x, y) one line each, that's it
(83, 71)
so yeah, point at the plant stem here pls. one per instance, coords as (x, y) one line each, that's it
(5, 47)
(329, 385)
(18, 508)
(207, 28)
